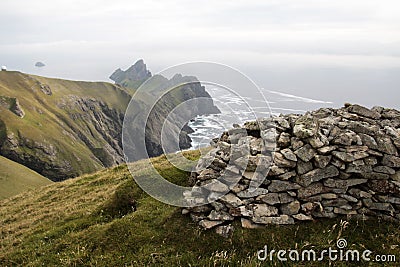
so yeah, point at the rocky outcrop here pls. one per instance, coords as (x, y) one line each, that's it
(45, 89)
(42, 157)
(12, 104)
(135, 75)
(159, 97)
(167, 95)
(107, 123)
(291, 168)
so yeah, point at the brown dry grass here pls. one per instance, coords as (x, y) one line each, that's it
(64, 224)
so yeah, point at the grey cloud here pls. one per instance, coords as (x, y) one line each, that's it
(347, 45)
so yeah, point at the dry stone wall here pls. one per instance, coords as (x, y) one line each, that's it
(323, 164)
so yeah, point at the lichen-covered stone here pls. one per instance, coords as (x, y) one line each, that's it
(290, 208)
(305, 153)
(305, 127)
(280, 186)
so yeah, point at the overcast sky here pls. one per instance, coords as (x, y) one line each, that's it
(338, 51)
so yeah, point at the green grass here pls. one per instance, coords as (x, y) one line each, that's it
(88, 221)
(16, 178)
(48, 121)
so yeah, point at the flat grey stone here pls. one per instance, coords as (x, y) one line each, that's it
(288, 154)
(206, 224)
(317, 175)
(283, 219)
(280, 186)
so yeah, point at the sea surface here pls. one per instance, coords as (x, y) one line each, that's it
(237, 109)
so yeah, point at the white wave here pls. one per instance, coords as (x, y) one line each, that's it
(237, 109)
(290, 109)
(298, 98)
(265, 108)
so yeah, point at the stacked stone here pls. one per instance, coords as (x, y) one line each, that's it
(326, 163)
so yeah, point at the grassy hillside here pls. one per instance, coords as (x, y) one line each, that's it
(63, 129)
(15, 178)
(60, 128)
(89, 221)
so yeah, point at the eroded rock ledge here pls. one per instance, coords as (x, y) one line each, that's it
(323, 164)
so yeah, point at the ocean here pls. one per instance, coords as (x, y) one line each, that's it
(236, 109)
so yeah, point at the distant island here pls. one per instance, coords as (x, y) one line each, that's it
(40, 64)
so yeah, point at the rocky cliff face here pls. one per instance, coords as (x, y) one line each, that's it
(63, 129)
(159, 97)
(162, 114)
(326, 163)
(97, 118)
(60, 128)
(133, 76)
